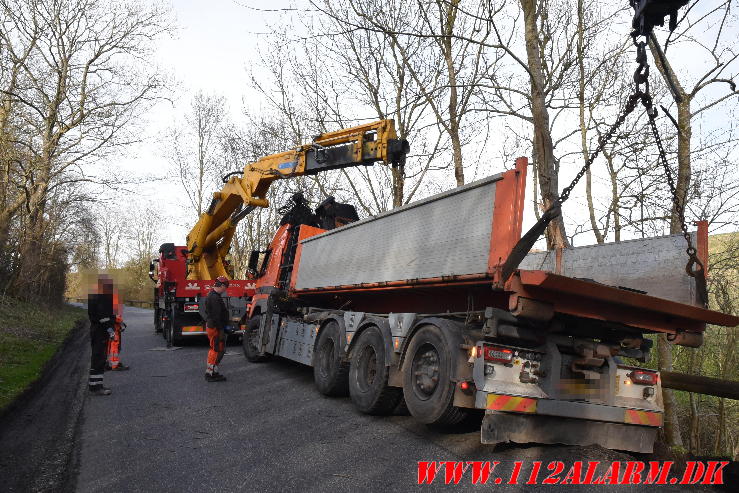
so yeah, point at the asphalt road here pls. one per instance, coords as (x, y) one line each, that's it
(165, 428)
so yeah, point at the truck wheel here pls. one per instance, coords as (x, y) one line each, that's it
(157, 320)
(174, 338)
(330, 373)
(368, 375)
(168, 333)
(165, 324)
(249, 341)
(427, 385)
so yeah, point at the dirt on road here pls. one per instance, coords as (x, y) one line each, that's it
(37, 433)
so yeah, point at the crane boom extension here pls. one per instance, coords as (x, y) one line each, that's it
(210, 239)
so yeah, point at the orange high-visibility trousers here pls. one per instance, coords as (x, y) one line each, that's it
(217, 348)
(114, 347)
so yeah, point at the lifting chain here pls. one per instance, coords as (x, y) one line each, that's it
(694, 267)
(602, 141)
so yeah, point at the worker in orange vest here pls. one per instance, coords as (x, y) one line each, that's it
(114, 344)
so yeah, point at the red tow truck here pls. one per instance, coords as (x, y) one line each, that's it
(178, 312)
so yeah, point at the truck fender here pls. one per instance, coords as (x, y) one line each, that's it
(381, 323)
(259, 306)
(454, 335)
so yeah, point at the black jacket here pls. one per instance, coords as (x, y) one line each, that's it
(216, 314)
(100, 309)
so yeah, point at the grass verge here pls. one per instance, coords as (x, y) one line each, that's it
(30, 334)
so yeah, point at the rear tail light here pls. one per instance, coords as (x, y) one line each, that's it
(643, 377)
(464, 385)
(497, 355)
(191, 307)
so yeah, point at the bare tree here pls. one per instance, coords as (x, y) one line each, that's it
(597, 71)
(193, 147)
(112, 236)
(457, 61)
(720, 59)
(722, 56)
(82, 80)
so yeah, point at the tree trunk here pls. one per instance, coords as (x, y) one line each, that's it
(672, 425)
(683, 161)
(543, 149)
(721, 425)
(614, 196)
(453, 129)
(695, 444)
(664, 349)
(25, 283)
(583, 122)
(725, 372)
(398, 175)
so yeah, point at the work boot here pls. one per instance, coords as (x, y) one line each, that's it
(215, 377)
(121, 367)
(101, 391)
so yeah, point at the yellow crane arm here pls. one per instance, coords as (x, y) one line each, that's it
(210, 239)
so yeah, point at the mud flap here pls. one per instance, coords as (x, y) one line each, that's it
(507, 427)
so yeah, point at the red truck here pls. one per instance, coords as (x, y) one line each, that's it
(178, 312)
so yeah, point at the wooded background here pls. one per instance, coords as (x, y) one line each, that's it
(471, 84)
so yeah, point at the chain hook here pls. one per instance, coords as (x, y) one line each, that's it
(641, 74)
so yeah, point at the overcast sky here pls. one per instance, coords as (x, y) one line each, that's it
(212, 50)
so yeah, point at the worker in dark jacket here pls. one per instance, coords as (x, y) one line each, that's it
(102, 319)
(215, 325)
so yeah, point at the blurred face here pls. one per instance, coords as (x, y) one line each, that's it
(105, 286)
(219, 289)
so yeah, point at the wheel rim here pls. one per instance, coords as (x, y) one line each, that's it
(325, 358)
(366, 368)
(425, 371)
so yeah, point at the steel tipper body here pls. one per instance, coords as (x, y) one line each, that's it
(178, 311)
(411, 305)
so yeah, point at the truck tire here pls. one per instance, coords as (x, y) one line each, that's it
(368, 375)
(330, 373)
(157, 320)
(174, 337)
(427, 385)
(251, 350)
(165, 325)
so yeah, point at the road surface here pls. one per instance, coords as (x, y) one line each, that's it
(165, 428)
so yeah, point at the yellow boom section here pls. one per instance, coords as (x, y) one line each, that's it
(210, 239)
